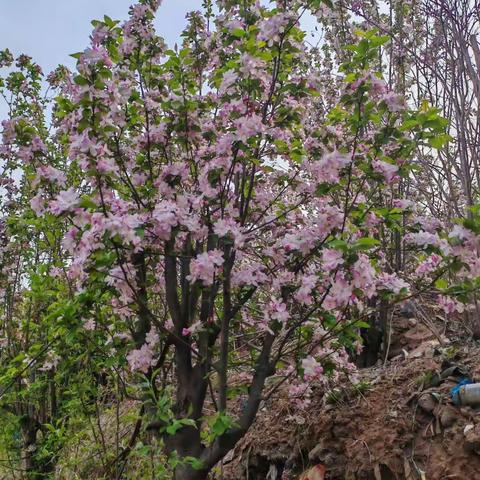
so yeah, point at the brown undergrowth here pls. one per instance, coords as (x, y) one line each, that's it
(400, 423)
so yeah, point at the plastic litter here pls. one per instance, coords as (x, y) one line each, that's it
(470, 394)
(460, 397)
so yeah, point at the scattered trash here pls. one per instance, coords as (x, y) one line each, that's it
(468, 428)
(469, 394)
(457, 371)
(457, 397)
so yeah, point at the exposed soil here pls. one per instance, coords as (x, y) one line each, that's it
(401, 425)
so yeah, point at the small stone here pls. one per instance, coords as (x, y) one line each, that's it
(448, 416)
(427, 403)
(472, 439)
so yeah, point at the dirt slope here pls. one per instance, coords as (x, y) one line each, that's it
(402, 425)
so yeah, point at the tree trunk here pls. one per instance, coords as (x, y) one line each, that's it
(29, 437)
(34, 468)
(186, 472)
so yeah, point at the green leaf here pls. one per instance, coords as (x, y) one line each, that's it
(194, 462)
(239, 32)
(365, 243)
(377, 41)
(338, 245)
(87, 202)
(441, 284)
(361, 324)
(439, 141)
(220, 423)
(79, 80)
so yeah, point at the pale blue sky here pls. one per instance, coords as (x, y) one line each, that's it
(50, 30)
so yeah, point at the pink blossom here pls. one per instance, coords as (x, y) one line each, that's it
(92, 56)
(229, 79)
(192, 329)
(358, 346)
(294, 241)
(403, 203)
(428, 265)
(224, 144)
(55, 272)
(140, 359)
(234, 24)
(152, 338)
(331, 259)
(106, 165)
(394, 102)
(300, 393)
(38, 204)
(311, 368)
(303, 294)
(121, 278)
(89, 324)
(449, 305)
(38, 146)
(204, 266)
(327, 169)
(52, 174)
(423, 239)
(99, 34)
(364, 276)
(277, 310)
(165, 217)
(371, 220)
(339, 294)
(125, 226)
(271, 28)
(388, 170)
(460, 232)
(252, 66)
(223, 227)
(249, 275)
(390, 281)
(378, 85)
(429, 224)
(247, 127)
(70, 239)
(64, 201)
(82, 143)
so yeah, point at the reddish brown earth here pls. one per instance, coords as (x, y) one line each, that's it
(402, 426)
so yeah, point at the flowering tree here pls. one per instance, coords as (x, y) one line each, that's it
(198, 226)
(424, 37)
